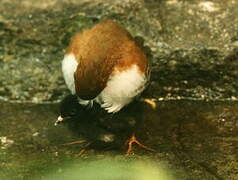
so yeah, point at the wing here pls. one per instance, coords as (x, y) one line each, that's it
(97, 55)
(92, 78)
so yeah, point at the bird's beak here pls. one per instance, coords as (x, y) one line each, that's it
(59, 120)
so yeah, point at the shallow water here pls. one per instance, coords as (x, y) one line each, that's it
(194, 139)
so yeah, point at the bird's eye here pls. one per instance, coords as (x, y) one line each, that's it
(72, 112)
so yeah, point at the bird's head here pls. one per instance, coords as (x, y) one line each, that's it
(69, 108)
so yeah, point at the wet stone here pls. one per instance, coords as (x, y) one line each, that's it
(191, 139)
(198, 47)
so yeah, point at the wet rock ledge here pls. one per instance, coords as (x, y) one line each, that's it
(193, 45)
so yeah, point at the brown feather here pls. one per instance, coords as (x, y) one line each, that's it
(105, 49)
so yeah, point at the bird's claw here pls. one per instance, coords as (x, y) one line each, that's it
(134, 140)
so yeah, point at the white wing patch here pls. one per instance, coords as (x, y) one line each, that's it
(69, 66)
(121, 89)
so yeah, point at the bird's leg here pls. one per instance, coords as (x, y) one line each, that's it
(84, 149)
(134, 140)
(79, 142)
(74, 142)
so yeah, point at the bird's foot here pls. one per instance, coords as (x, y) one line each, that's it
(151, 102)
(134, 140)
(82, 151)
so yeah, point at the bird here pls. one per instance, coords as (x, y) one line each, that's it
(104, 65)
(94, 125)
(82, 122)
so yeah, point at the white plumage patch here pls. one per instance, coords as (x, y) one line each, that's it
(121, 89)
(69, 66)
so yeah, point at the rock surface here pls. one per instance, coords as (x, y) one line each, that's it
(193, 140)
(193, 45)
